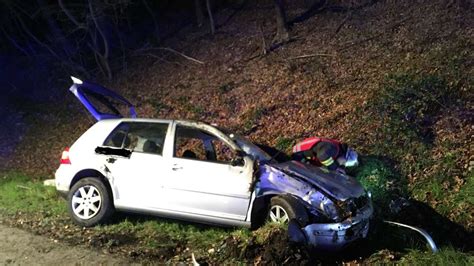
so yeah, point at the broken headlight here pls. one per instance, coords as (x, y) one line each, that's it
(351, 207)
(323, 204)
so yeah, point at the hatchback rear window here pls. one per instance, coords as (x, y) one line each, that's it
(139, 137)
(105, 104)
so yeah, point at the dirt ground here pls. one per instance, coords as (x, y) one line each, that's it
(18, 247)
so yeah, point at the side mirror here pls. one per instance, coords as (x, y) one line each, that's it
(241, 153)
(237, 161)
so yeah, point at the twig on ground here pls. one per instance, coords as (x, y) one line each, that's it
(159, 58)
(175, 52)
(394, 25)
(309, 55)
(264, 44)
(23, 187)
(349, 15)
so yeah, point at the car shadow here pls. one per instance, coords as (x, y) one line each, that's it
(136, 218)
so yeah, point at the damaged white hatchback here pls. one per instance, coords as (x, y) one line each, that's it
(195, 172)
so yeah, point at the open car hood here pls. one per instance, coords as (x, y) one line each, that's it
(335, 184)
(101, 102)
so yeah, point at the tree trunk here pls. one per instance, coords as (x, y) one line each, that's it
(199, 14)
(211, 18)
(282, 34)
(155, 20)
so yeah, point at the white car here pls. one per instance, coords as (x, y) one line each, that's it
(195, 172)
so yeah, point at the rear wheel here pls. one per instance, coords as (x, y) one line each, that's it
(284, 208)
(89, 202)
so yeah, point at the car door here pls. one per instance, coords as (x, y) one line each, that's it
(137, 180)
(203, 180)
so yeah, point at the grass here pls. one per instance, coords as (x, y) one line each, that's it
(445, 256)
(252, 116)
(407, 107)
(157, 105)
(284, 144)
(18, 193)
(380, 179)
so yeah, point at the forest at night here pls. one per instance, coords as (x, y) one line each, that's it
(392, 79)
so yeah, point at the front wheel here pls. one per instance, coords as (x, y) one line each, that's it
(285, 208)
(89, 202)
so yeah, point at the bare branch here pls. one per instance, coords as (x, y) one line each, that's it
(104, 57)
(18, 46)
(32, 36)
(70, 16)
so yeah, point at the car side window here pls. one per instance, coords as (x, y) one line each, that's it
(144, 137)
(116, 139)
(223, 152)
(192, 143)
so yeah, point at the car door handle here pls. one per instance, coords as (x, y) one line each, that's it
(175, 168)
(111, 160)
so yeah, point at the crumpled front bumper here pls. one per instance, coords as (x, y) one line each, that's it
(335, 236)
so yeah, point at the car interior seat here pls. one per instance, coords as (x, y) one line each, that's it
(150, 147)
(116, 140)
(189, 154)
(127, 142)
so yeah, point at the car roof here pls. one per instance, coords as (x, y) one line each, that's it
(151, 120)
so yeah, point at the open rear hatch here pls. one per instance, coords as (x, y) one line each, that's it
(101, 102)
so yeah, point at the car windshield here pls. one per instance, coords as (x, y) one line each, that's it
(251, 149)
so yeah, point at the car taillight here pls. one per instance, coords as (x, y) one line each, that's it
(65, 156)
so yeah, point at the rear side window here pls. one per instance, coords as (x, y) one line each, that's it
(117, 137)
(139, 137)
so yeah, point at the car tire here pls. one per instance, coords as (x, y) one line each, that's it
(89, 202)
(282, 209)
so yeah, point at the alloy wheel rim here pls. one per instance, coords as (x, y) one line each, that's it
(86, 202)
(278, 214)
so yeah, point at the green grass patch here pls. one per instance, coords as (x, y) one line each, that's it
(284, 144)
(226, 87)
(252, 116)
(158, 106)
(409, 105)
(380, 179)
(152, 229)
(18, 193)
(445, 256)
